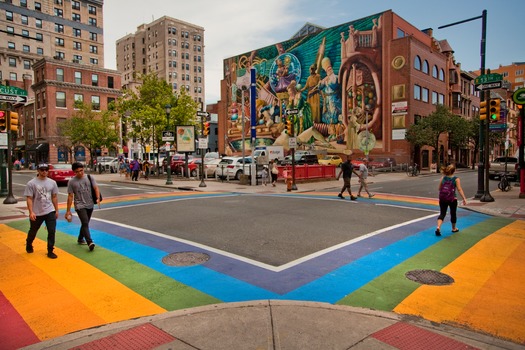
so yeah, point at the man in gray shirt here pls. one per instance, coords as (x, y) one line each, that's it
(42, 203)
(79, 189)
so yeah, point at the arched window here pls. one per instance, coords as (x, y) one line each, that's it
(417, 63)
(435, 72)
(441, 74)
(425, 67)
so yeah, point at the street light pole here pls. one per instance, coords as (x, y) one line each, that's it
(482, 147)
(168, 179)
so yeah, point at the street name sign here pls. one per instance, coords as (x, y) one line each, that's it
(292, 111)
(13, 99)
(12, 94)
(168, 136)
(488, 78)
(489, 86)
(203, 114)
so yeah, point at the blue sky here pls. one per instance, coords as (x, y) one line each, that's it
(233, 27)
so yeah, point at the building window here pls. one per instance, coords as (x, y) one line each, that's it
(434, 98)
(11, 45)
(59, 41)
(77, 32)
(39, 51)
(77, 58)
(38, 23)
(425, 67)
(26, 48)
(23, 3)
(93, 49)
(59, 55)
(92, 21)
(61, 99)
(92, 10)
(441, 99)
(93, 61)
(435, 72)
(442, 75)
(424, 95)
(78, 78)
(417, 63)
(43, 99)
(10, 30)
(12, 62)
(25, 21)
(27, 64)
(77, 45)
(519, 72)
(111, 83)
(12, 76)
(58, 2)
(38, 6)
(25, 33)
(60, 74)
(94, 79)
(400, 33)
(93, 36)
(75, 17)
(417, 92)
(95, 103)
(75, 5)
(9, 16)
(59, 28)
(58, 12)
(39, 37)
(79, 99)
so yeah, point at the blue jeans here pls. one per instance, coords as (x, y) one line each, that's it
(51, 224)
(84, 215)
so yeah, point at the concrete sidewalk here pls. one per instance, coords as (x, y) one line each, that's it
(270, 324)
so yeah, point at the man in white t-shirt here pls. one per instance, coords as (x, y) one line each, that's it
(42, 203)
(363, 179)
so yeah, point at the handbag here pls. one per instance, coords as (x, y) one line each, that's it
(275, 170)
(93, 193)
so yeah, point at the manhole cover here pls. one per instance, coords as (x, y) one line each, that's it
(185, 259)
(431, 277)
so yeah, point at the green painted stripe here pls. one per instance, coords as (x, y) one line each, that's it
(392, 287)
(156, 287)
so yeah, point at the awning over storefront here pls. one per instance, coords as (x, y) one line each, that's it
(39, 147)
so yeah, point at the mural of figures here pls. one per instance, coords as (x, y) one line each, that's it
(337, 101)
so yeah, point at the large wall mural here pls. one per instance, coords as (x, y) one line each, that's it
(333, 80)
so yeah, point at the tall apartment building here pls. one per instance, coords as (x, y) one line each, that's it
(171, 48)
(68, 30)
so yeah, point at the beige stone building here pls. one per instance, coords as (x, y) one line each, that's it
(171, 48)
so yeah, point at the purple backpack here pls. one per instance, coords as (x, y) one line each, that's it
(447, 192)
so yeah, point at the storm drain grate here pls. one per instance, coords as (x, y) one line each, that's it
(431, 277)
(185, 259)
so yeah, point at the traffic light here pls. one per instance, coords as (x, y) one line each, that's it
(2, 121)
(289, 126)
(483, 110)
(206, 128)
(495, 110)
(14, 121)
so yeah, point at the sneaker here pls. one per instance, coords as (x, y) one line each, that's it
(359, 194)
(353, 198)
(51, 255)
(29, 248)
(438, 232)
(340, 196)
(91, 246)
(371, 195)
(82, 242)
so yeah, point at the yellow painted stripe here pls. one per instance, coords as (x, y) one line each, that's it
(479, 276)
(52, 294)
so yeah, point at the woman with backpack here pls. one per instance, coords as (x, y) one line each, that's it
(447, 197)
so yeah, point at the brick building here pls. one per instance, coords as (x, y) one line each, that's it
(372, 78)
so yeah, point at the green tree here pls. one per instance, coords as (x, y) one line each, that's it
(92, 129)
(429, 129)
(145, 110)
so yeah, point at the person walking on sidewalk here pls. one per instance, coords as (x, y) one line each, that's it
(363, 181)
(79, 191)
(135, 168)
(42, 202)
(447, 197)
(347, 168)
(274, 171)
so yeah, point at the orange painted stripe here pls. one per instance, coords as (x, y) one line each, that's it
(50, 294)
(482, 277)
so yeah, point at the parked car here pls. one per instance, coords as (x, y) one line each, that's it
(177, 165)
(61, 173)
(301, 159)
(211, 155)
(379, 163)
(211, 166)
(104, 163)
(232, 167)
(331, 160)
(497, 166)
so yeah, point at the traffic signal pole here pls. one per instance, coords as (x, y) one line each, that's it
(10, 199)
(486, 197)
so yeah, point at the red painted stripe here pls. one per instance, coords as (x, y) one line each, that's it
(405, 336)
(14, 331)
(142, 337)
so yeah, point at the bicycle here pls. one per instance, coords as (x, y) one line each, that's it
(413, 170)
(504, 183)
